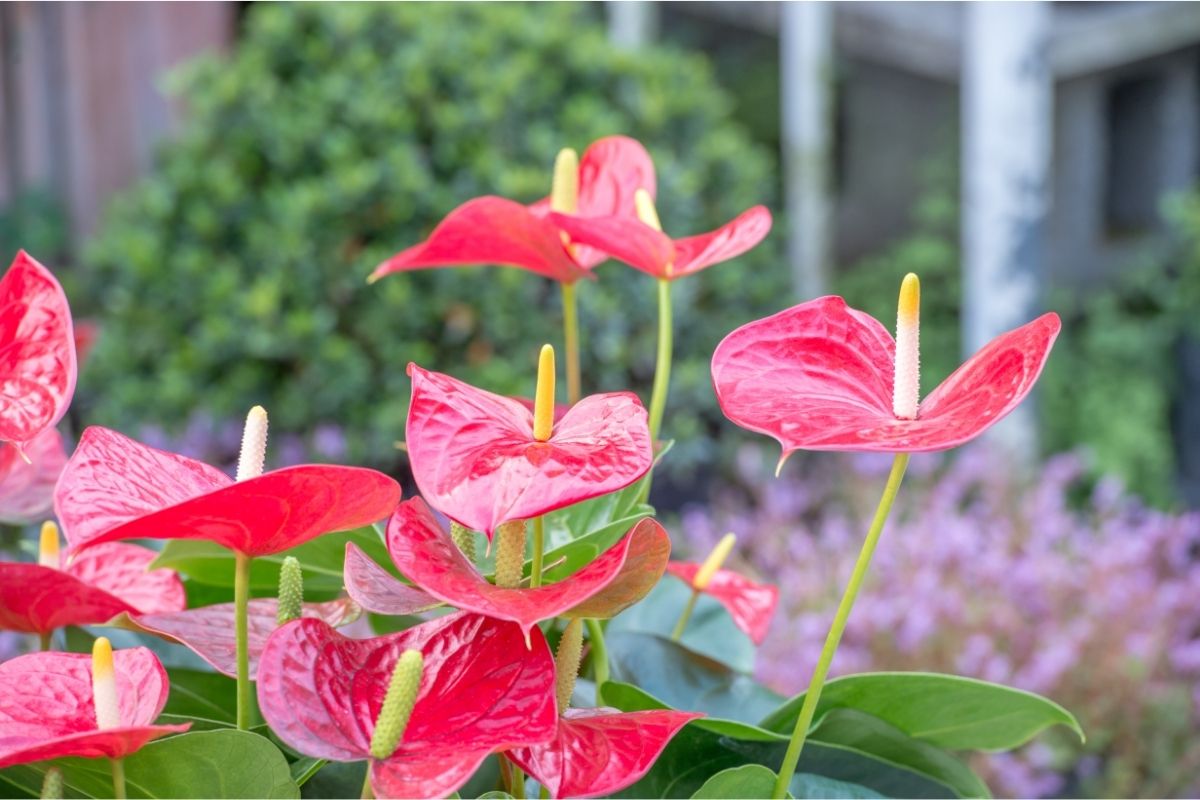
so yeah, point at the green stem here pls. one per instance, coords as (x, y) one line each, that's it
(118, 776)
(571, 342)
(46, 640)
(241, 602)
(680, 626)
(662, 366)
(539, 543)
(599, 655)
(813, 695)
(367, 792)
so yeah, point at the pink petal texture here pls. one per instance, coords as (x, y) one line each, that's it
(645, 562)
(482, 690)
(818, 376)
(27, 487)
(115, 488)
(474, 457)
(376, 590)
(490, 230)
(600, 750)
(744, 232)
(102, 583)
(751, 605)
(37, 351)
(209, 631)
(427, 556)
(46, 708)
(435, 773)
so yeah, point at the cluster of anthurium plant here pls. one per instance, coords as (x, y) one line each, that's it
(498, 658)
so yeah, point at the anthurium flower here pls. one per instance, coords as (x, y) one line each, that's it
(426, 555)
(480, 690)
(647, 248)
(91, 588)
(209, 631)
(71, 704)
(37, 352)
(493, 230)
(751, 605)
(27, 486)
(116, 488)
(823, 376)
(475, 458)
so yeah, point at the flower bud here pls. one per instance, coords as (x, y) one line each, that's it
(254, 445)
(564, 196)
(566, 663)
(464, 539)
(510, 553)
(104, 686)
(543, 398)
(48, 546)
(906, 393)
(714, 561)
(397, 704)
(291, 591)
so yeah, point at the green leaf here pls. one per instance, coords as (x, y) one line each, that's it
(336, 779)
(321, 561)
(305, 767)
(747, 782)
(685, 679)
(202, 696)
(806, 786)
(710, 630)
(225, 763)
(945, 710)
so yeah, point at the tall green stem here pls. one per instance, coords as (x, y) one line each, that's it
(662, 367)
(813, 695)
(118, 776)
(599, 654)
(681, 625)
(241, 602)
(539, 544)
(46, 640)
(367, 793)
(571, 342)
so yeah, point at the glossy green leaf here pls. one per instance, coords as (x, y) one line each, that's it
(304, 768)
(224, 763)
(335, 779)
(747, 782)
(945, 710)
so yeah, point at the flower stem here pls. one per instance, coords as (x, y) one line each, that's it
(241, 601)
(46, 640)
(118, 776)
(539, 543)
(662, 367)
(367, 792)
(813, 695)
(571, 341)
(680, 626)
(599, 654)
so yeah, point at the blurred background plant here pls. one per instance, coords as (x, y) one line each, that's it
(321, 147)
(1057, 583)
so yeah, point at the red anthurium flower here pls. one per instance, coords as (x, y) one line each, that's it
(37, 351)
(493, 230)
(115, 488)
(27, 487)
(480, 691)
(375, 589)
(597, 751)
(475, 458)
(751, 605)
(426, 555)
(92, 588)
(48, 710)
(822, 376)
(643, 247)
(209, 631)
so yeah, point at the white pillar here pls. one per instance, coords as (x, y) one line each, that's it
(632, 24)
(1007, 126)
(806, 86)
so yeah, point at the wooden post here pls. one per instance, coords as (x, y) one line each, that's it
(632, 24)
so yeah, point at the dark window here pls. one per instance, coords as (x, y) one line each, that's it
(1133, 167)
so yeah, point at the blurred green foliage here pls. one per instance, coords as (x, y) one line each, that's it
(33, 221)
(335, 135)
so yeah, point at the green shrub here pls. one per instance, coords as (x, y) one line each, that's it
(336, 135)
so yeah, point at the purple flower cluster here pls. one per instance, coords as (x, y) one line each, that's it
(1078, 592)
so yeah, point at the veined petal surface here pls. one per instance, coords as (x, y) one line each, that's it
(751, 605)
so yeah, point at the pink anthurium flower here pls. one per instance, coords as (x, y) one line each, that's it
(644, 247)
(209, 631)
(37, 352)
(115, 488)
(49, 707)
(822, 376)
(27, 487)
(493, 230)
(475, 457)
(751, 605)
(481, 690)
(92, 588)
(426, 555)
(597, 751)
